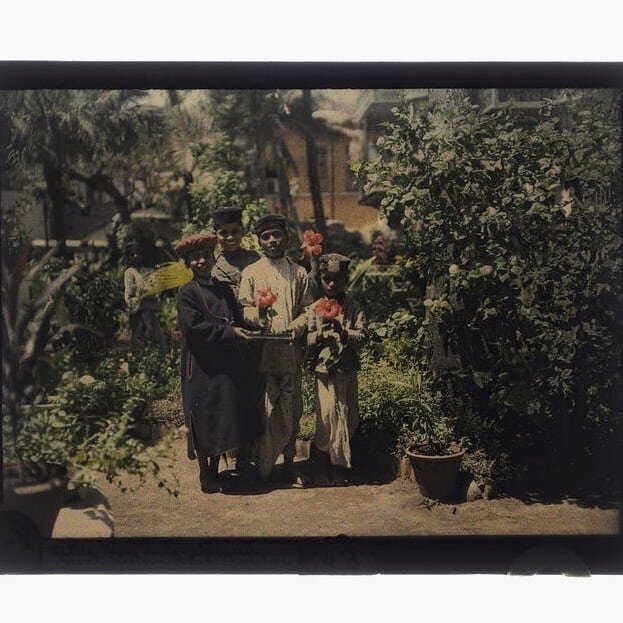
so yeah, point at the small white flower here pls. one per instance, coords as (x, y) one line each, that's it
(87, 379)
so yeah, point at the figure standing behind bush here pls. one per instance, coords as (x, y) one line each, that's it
(143, 310)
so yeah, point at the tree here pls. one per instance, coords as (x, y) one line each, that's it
(515, 218)
(89, 136)
(312, 162)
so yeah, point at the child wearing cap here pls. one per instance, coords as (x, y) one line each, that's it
(336, 330)
(228, 268)
(219, 413)
(277, 281)
(233, 259)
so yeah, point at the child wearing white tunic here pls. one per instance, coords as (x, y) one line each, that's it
(336, 330)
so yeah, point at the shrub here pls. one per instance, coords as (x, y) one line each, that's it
(514, 220)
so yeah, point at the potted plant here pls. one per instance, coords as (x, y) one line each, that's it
(84, 427)
(34, 488)
(427, 438)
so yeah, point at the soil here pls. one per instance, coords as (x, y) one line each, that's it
(371, 506)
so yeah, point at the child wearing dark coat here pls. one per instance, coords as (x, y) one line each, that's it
(219, 413)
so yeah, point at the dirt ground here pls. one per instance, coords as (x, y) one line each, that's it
(368, 507)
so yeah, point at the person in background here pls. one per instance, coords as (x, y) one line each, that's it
(219, 412)
(336, 330)
(274, 292)
(142, 311)
(233, 259)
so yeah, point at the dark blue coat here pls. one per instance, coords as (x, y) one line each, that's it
(218, 404)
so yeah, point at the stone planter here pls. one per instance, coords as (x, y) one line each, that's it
(39, 501)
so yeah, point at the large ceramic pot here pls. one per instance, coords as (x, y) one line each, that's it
(435, 474)
(39, 501)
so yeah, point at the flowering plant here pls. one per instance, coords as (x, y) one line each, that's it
(312, 243)
(264, 300)
(331, 335)
(328, 308)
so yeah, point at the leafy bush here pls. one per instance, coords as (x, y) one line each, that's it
(95, 300)
(514, 220)
(402, 403)
(90, 422)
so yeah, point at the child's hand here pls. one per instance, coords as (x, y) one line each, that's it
(242, 334)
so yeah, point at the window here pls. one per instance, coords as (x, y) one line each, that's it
(323, 157)
(272, 186)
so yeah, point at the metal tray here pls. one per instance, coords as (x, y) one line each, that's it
(272, 337)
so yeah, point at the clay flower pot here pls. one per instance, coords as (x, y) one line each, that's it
(436, 474)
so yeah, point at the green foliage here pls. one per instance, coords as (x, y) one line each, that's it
(89, 423)
(28, 308)
(12, 235)
(95, 300)
(515, 221)
(222, 188)
(307, 428)
(402, 402)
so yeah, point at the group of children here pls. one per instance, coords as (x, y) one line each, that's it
(249, 323)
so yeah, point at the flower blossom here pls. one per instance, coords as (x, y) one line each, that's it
(312, 243)
(265, 298)
(328, 308)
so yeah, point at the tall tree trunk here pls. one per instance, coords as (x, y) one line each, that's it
(187, 176)
(285, 195)
(312, 164)
(105, 183)
(54, 181)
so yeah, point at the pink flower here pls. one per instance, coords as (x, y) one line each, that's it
(328, 308)
(265, 298)
(312, 243)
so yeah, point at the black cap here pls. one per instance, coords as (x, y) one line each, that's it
(270, 221)
(227, 214)
(333, 263)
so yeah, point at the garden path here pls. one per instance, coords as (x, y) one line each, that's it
(367, 508)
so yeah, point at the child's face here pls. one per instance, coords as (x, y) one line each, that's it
(333, 284)
(273, 242)
(134, 257)
(229, 236)
(201, 262)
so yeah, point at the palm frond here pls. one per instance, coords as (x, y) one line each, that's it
(168, 276)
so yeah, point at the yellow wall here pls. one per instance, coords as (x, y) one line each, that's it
(341, 203)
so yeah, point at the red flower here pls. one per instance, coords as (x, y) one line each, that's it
(328, 308)
(311, 243)
(265, 298)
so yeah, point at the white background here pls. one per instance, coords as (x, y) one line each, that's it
(322, 30)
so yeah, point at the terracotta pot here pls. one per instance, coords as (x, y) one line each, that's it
(436, 475)
(40, 502)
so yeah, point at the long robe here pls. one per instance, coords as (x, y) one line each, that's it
(280, 362)
(335, 399)
(218, 407)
